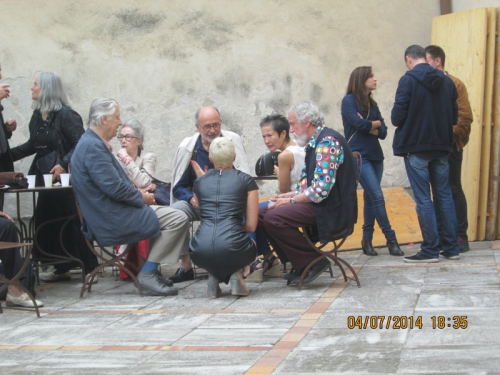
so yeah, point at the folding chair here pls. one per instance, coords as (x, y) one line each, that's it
(337, 239)
(108, 259)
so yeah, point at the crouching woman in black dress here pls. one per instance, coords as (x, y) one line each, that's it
(229, 207)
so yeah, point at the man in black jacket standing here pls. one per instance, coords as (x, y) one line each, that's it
(6, 129)
(424, 113)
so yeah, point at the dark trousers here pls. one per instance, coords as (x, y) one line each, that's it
(11, 259)
(281, 227)
(455, 164)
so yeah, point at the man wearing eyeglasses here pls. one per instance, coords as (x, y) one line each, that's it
(195, 149)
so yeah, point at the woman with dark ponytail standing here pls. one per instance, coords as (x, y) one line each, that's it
(363, 127)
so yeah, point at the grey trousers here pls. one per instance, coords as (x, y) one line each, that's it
(174, 227)
(193, 215)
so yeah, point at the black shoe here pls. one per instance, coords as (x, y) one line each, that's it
(420, 258)
(293, 274)
(165, 280)
(448, 256)
(150, 282)
(313, 272)
(368, 248)
(463, 245)
(394, 248)
(181, 275)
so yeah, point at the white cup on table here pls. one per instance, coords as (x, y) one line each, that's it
(31, 181)
(64, 179)
(47, 178)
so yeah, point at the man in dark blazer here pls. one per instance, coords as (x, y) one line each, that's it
(114, 211)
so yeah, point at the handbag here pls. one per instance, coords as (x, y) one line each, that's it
(47, 162)
(162, 191)
(265, 164)
(13, 179)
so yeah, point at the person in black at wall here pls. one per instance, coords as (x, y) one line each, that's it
(55, 129)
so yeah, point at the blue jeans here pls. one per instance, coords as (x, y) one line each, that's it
(371, 175)
(424, 175)
(260, 238)
(455, 163)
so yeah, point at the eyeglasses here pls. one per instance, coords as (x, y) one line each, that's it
(208, 126)
(128, 137)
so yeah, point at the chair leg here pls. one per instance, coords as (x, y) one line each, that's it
(331, 271)
(340, 267)
(354, 275)
(88, 280)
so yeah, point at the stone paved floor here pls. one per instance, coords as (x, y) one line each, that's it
(276, 330)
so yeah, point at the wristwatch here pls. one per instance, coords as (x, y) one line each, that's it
(292, 200)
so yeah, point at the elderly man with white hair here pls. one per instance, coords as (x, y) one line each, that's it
(325, 197)
(114, 211)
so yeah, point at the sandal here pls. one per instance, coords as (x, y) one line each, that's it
(270, 263)
(253, 268)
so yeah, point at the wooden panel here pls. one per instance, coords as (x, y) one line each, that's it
(493, 227)
(463, 37)
(487, 123)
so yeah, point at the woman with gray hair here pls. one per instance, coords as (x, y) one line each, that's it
(54, 129)
(226, 196)
(140, 168)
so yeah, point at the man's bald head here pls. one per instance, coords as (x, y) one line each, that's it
(208, 123)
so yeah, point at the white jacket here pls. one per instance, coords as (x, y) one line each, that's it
(185, 150)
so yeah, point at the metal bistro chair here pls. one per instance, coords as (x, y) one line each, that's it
(337, 240)
(107, 258)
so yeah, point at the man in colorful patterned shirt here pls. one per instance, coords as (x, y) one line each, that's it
(325, 197)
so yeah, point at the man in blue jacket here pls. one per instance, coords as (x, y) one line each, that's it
(424, 113)
(114, 211)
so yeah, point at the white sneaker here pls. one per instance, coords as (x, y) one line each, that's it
(22, 301)
(96, 278)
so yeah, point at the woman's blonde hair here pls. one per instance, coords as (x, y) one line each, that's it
(222, 152)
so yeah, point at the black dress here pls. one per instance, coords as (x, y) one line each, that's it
(220, 245)
(57, 136)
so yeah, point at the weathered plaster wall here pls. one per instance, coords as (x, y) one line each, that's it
(163, 59)
(460, 5)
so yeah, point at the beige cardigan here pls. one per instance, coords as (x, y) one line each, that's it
(141, 170)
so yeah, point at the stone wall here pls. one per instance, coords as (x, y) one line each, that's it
(161, 60)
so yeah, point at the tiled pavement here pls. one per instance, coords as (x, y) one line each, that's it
(277, 329)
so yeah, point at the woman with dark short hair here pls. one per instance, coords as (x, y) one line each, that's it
(363, 127)
(55, 129)
(276, 136)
